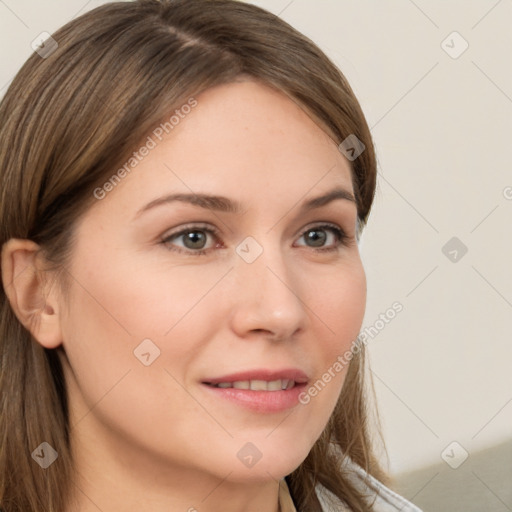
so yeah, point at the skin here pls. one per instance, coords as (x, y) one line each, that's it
(153, 434)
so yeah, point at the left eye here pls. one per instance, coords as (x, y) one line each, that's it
(194, 239)
(318, 237)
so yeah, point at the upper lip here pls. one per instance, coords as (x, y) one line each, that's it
(262, 374)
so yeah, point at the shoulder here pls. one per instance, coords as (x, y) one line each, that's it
(383, 498)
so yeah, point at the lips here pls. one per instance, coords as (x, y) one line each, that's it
(262, 391)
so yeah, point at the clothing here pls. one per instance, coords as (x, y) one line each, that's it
(385, 499)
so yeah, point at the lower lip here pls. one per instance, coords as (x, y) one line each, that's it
(260, 401)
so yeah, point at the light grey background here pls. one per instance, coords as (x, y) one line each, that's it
(442, 128)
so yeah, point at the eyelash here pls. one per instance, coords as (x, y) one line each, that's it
(341, 238)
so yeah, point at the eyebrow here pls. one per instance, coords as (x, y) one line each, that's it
(224, 204)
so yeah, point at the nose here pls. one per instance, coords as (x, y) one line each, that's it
(267, 297)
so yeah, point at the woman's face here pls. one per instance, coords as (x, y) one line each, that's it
(263, 293)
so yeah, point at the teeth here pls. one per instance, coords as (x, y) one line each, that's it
(259, 385)
(274, 385)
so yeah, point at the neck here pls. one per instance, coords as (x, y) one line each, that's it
(118, 477)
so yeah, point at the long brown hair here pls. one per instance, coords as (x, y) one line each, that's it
(69, 119)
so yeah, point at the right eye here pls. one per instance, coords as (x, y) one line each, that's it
(194, 239)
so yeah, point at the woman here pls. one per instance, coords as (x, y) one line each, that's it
(183, 188)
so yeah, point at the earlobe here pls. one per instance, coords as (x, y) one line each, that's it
(31, 293)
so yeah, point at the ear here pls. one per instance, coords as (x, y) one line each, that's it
(31, 291)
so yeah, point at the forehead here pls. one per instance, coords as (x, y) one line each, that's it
(242, 140)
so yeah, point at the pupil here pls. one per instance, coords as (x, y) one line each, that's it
(317, 237)
(195, 237)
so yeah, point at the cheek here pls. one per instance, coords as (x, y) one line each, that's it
(338, 301)
(109, 316)
(136, 296)
(116, 305)
(342, 307)
(339, 306)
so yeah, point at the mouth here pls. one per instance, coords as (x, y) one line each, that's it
(256, 385)
(262, 391)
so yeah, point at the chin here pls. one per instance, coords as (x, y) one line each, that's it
(272, 462)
